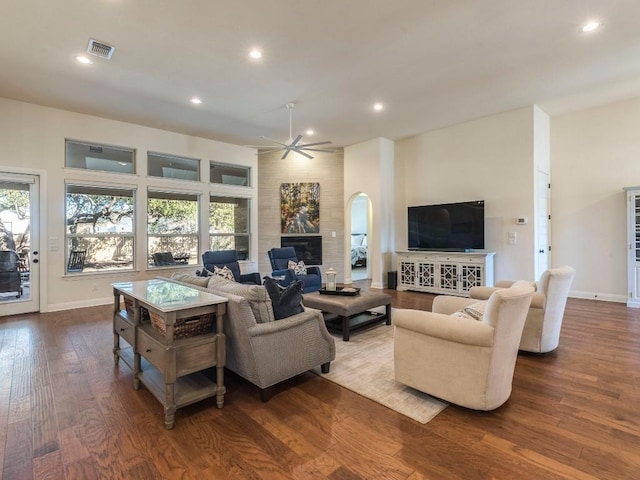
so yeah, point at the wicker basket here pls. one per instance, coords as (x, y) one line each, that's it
(185, 327)
(128, 305)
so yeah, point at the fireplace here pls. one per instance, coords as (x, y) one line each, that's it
(308, 248)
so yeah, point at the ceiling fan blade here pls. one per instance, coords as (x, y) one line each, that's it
(274, 141)
(317, 150)
(287, 151)
(262, 152)
(303, 153)
(304, 145)
(295, 142)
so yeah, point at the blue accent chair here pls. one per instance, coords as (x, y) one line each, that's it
(229, 259)
(279, 258)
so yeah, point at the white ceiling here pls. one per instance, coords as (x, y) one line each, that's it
(433, 63)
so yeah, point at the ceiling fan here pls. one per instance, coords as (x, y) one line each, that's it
(293, 145)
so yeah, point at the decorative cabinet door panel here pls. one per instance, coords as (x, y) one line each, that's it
(426, 275)
(449, 277)
(407, 272)
(471, 277)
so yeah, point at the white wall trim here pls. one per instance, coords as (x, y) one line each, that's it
(606, 297)
(90, 302)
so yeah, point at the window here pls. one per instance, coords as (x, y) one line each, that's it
(229, 225)
(229, 174)
(172, 226)
(168, 166)
(99, 157)
(99, 230)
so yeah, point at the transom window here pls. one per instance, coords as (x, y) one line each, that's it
(229, 224)
(99, 228)
(172, 226)
(229, 174)
(171, 166)
(106, 158)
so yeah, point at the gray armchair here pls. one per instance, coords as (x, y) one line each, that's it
(9, 273)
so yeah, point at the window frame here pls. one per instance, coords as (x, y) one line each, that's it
(132, 151)
(153, 156)
(99, 235)
(248, 235)
(246, 168)
(192, 259)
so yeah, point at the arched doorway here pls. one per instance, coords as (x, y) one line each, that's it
(359, 238)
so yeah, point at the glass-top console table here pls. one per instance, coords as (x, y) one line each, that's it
(156, 327)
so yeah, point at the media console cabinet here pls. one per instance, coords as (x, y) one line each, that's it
(452, 273)
(173, 369)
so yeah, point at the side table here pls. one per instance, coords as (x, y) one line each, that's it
(171, 368)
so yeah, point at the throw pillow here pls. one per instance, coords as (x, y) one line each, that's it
(298, 268)
(224, 272)
(462, 314)
(286, 301)
(476, 310)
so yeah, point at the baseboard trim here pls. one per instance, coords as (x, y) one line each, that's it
(605, 297)
(92, 302)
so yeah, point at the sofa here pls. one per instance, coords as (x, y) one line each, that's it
(541, 332)
(259, 348)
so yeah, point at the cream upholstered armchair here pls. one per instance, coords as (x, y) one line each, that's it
(462, 360)
(542, 329)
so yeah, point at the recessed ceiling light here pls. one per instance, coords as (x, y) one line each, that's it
(83, 59)
(310, 132)
(378, 106)
(590, 26)
(255, 53)
(196, 101)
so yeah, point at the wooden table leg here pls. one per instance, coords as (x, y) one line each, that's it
(388, 311)
(345, 328)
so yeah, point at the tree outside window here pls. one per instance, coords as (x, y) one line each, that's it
(99, 228)
(172, 226)
(229, 225)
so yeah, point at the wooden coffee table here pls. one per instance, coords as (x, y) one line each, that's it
(348, 313)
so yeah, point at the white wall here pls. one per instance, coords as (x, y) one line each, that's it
(488, 159)
(594, 154)
(369, 168)
(33, 137)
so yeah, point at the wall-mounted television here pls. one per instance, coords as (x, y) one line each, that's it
(447, 227)
(308, 248)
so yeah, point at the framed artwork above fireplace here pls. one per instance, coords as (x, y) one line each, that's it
(299, 208)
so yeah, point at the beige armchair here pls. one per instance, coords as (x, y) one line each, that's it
(541, 332)
(464, 361)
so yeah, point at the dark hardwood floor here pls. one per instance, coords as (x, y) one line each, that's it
(67, 413)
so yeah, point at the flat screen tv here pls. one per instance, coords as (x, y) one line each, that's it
(308, 248)
(447, 227)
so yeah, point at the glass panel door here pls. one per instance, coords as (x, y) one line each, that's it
(19, 244)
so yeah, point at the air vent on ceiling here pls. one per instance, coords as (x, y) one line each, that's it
(100, 49)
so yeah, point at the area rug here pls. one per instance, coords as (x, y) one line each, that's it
(364, 365)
